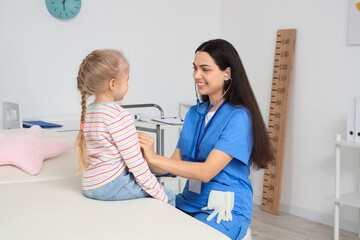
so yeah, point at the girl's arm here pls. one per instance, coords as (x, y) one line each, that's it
(203, 171)
(124, 134)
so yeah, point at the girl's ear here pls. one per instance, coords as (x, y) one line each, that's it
(111, 84)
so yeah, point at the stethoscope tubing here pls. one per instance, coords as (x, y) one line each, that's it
(202, 115)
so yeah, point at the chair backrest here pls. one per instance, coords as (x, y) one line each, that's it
(11, 115)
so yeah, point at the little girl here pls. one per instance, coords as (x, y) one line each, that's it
(108, 146)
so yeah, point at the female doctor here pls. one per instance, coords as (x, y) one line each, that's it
(220, 139)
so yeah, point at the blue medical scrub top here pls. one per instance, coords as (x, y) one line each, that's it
(229, 131)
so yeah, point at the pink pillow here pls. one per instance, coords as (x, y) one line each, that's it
(29, 149)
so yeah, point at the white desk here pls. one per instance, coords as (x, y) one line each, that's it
(51, 206)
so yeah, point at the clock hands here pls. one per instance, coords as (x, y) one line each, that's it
(68, 10)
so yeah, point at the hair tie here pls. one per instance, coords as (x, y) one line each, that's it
(81, 126)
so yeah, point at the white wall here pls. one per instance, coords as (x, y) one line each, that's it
(326, 71)
(40, 55)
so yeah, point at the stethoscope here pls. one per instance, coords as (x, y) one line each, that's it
(202, 116)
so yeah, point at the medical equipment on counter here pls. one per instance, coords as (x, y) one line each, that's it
(141, 117)
(11, 115)
(169, 120)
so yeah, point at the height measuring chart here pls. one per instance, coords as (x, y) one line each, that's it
(279, 105)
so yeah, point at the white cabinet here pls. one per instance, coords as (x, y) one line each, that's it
(349, 199)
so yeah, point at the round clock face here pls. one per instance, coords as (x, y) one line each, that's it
(64, 9)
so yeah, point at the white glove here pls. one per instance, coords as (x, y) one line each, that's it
(222, 203)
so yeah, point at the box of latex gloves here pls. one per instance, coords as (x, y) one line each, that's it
(353, 120)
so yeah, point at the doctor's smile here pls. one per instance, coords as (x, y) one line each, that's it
(201, 84)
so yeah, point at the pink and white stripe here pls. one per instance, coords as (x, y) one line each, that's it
(113, 144)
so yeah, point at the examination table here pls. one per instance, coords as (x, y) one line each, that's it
(51, 206)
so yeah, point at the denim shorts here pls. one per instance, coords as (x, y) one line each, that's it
(124, 187)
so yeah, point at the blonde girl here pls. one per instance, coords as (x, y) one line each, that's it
(108, 147)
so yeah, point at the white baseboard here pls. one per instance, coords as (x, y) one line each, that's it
(313, 216)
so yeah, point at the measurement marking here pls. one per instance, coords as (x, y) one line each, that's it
(280, 95)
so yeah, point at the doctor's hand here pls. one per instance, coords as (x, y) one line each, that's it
(222, 203)
(147, 146)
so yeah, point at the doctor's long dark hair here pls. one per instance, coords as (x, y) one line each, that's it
(240, 93)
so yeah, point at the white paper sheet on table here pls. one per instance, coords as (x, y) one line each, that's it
(169, 120)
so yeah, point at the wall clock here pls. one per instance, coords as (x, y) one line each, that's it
(63, 9)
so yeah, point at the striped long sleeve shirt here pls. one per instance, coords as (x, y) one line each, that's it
(112, 145)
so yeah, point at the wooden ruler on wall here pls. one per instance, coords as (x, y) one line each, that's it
(279, 105)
